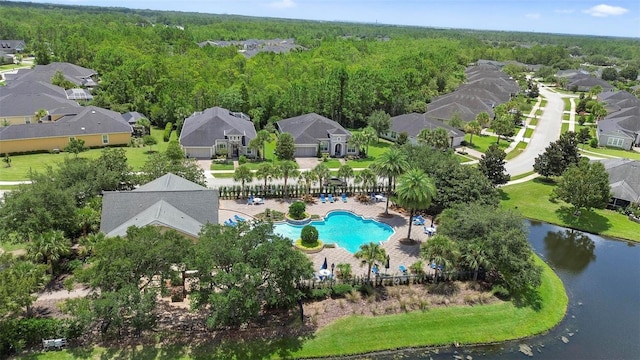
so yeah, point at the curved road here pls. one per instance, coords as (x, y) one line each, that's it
(547, 131)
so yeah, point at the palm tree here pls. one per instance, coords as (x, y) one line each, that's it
(265, 171)
(415, 190)
(441, 251)
(370, 134)
(88, 243)
(49, 247)
(358, 140)
(369, 254)
(475, 257)
(287, 169)
(483, 119)
(260, 141)
(346, 172)
(322, 173)
(390, 164)
(367, 178)
(472, 128)
(437, 138)
(87, 219)
(308, 177)
(243, 174)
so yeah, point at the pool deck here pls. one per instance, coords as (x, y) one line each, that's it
(399, 253)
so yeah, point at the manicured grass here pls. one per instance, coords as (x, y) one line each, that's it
(333, 163)
(543, 103)
(517, 150)
(464, 158)
(627, 154)
(482, 142)
(375, 150)
(528, 133)
(567, 104)
(228, 175)
(222, 166)
(520, 176)
(361, 334)
(22, 165)
(11, 247)
(531, 198)
(566, 117)
(8, 187)
(533, 121)
(564, 128)
(539, 112)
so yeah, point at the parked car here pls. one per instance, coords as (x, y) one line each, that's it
(334, 181)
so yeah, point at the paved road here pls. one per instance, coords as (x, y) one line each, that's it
(547, 131)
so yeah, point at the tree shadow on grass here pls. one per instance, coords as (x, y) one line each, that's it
(588, 221)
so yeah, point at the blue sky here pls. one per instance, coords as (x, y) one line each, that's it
(585, 17)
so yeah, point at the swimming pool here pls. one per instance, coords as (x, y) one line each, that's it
(343, 228)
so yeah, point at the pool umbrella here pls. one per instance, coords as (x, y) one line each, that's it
(324, 264)
(387, 265)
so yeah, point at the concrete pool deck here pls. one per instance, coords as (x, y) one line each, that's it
(400, 254)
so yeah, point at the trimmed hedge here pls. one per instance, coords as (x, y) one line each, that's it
(19, 334)
(167, 132)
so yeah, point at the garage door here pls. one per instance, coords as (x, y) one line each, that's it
(306, 151)
(199, 153)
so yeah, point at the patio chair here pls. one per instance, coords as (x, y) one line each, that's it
(429, 231)
(322, 199)
(402, 269)
(375, 270)
(250, 200)
(228, 223)
(418, 220)
(232, 222)
(330, 198)
(239, 218)
(344, 197)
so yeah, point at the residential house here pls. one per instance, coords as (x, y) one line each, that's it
(624, 177)
(96, 126)
(621, 127)
(217, 131)
(585, 82)
(83, 77)
(169, 202)
(313, 134)
(12, 46)
(22, 108)
(414, 123)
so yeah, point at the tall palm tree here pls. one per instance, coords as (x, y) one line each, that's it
(287, 169)
(261, 140)
(243, 174)
(472, 128)
(322, 173)
(346, 172)
(483, 119)
(390, 164)
(415, 190)
(475, 257)
(265, 171)
(49, 247)
(369, 254)
(437, 138)
(370, 134)
(308, 177)
(358, 140)
(87, 219)
(441, 251)
(367, 178)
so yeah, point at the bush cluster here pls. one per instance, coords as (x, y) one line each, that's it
(18, 334)
(296, 210)
(167, 132)
(309, 236)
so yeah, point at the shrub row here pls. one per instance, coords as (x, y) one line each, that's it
(19, 334)
(167, 132)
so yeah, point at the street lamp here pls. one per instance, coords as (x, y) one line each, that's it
(332, 267)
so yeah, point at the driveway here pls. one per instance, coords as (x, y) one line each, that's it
(547, 131)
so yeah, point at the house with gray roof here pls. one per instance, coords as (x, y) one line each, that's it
(624, 177)
(217, 131)
(414, 123)
(12, 46)
(96, 126)
(621, 127)
(18, 108)
(586, 82)
(313, 133)
(169, 202)
(78, 75)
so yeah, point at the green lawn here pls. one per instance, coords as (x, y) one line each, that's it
(375, 150)
(22, 165)
(564, 128)
(566, 117)
(517, 150)
(361, 334)
(533, 121)
(543, 103)
(567, 104)
(520, 176)
(628, 154)
(482, 142)
(11, 247)
(539, 112)
(223, 166)
(528, 133)
(531, 198)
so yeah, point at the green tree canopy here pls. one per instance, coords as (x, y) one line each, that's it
(243, 174)
(584, 185)
(390, 164)
(370, 254)
(75, 146)
(492, 163)
(415, 191)
(436, 138)
(285, 148)
(380, 121)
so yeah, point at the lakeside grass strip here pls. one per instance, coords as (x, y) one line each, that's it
(531, 198)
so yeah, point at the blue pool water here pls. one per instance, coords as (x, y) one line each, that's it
(343, 228)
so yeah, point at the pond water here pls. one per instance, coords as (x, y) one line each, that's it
(602, 278)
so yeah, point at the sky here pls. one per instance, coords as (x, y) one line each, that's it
(583, 17)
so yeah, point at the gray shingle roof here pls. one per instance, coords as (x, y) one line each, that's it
(583, 81)
(169, 201)
(204, 128)
(132, 117)
(78, 94)
(413, 123)
(32, 87)
(29, 104)
(310, 128)
(91, 120)
(624, 177)
(74, 73)
(624, 114)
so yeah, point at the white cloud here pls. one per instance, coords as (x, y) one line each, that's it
(533, 16)
(283, 4)
(564, 11)
(604, 10)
